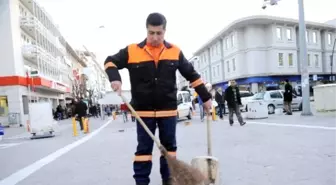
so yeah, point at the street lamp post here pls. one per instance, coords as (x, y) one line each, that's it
(306, 110)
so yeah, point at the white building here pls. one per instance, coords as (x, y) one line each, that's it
(30, 43)
(262, 51)
(180, 80)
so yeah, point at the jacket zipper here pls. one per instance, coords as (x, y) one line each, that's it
(156, 74)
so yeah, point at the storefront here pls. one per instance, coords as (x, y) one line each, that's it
(15, 95)
(257, 84)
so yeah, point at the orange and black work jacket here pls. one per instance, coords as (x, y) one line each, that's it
(153, 77)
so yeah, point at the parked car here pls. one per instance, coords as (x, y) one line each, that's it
(245, 96)
(274, 100)
(184, 105)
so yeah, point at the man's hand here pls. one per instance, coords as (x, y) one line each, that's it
(116, 86)
(207, 106)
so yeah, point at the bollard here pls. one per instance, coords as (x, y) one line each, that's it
(87, 125)
(84, 125)
(74, 126)
(214, 117)
(2, 131)
(114, 115)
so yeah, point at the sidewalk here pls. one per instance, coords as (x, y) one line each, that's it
(17, 132)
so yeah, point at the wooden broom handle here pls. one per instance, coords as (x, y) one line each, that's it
(157, 142)
(209, 134)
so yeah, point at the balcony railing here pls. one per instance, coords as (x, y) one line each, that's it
(32, 25)
(48, 65)
(31, 52)
(29, 22)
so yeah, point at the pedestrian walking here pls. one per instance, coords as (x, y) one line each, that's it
(232, 97)
(152, 66)
(201, 107)
(124, 110)
(220, 99)
(288, 97)
(81, 109)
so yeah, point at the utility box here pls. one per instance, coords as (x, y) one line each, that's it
(325, 97)
(257, 109)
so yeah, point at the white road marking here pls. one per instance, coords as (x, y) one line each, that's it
(287, 125)
(29, 170)
(8, 145)
(292, 125)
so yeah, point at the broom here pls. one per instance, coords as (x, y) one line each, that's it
(181, 173)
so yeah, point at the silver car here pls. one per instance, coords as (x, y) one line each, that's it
(275, 100)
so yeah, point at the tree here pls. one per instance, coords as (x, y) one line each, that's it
(78, 87)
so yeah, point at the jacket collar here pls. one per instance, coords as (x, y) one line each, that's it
(165, 43)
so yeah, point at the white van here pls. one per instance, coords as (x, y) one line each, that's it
(184, 104)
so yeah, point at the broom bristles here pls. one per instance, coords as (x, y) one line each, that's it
(183, 173)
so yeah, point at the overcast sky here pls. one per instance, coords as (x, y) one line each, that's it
(190, 23)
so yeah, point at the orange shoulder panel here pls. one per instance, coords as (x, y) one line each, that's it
(137, 54)
(172, 53)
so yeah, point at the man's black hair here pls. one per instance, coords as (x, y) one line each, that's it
(287, 80)
(156, 19)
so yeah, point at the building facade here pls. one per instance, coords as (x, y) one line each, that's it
(180, 80)
(261, 51)
(76, 76)
(96, 83)
(35, 59)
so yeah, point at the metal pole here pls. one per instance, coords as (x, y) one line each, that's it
(332, 60)
(306, 111)
(29, 99)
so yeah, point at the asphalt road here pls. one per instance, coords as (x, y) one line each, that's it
(289, 150)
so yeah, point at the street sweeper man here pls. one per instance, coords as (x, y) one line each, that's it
(152, 66)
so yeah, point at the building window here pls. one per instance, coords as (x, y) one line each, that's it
(331, 60)
(279, 33)
(228, 66)
(25, 105)
(317, 61)
(217, 70)
(290, 59)
(232, 40)
(280, 59)
(307, 37)
(289, 34)
(3, 106)
(233, 64)
(308, 59)
(226, 43)
(214, 71)
(314, 37)
(329, 38)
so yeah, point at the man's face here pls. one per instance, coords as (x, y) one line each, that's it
(155, 35)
